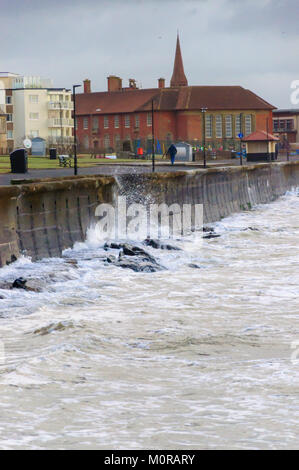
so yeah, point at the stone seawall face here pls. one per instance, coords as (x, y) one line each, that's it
(43, 218)
(222, 191)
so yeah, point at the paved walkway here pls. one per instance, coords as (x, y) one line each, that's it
(116, 169)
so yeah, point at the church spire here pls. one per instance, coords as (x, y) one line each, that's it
(178, 77)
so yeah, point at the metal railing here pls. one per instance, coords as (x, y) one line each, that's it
(57, 122)
(61, 105)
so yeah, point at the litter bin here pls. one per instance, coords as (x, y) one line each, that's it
(19, 161)
(53, 154)
(233, 154)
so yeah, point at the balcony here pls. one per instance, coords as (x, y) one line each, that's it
(61, 105)
(57, 122)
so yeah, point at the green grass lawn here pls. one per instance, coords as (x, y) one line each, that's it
(44, 163)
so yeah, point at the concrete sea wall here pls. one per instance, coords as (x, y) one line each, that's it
(45, 217)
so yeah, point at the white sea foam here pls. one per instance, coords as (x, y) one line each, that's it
(183, 358)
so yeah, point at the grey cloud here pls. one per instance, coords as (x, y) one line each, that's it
(276, 16)
(223, 41)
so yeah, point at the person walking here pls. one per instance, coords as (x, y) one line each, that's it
(172, 151)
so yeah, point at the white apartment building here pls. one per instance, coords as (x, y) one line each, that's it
(35, 109)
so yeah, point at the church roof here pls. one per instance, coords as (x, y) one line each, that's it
(178, 77)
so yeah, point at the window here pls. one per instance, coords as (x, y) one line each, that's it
(34, 134)
(8, 99)
(9, 117)
(208, 126)
(9, 135)
(127, 120)
(106, 122)
(248, 124)
(33, 116)
(85, 123)
(95, 122)
(116, 122)
(149, 119)
(33, 98)
(283, 124)
(218, 126)
(238, 124)
(228, 126)
(137, 121)
(86, 142)
(106, 141)
(117, 141)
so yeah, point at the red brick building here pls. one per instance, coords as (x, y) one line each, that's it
(121, 117)
(286, 125)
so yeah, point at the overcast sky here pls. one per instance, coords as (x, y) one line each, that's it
(253, 43)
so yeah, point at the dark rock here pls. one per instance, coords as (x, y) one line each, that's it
(208, 229)
(211, 235)
(139, 266)
(2, 298)
(161, 246)
(128, 250)
(111, 259)
(114, 246)
(195, 266)
(30, 286)
(133, 257)
(19, 283)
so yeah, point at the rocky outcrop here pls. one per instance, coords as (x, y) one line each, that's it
(132, 257)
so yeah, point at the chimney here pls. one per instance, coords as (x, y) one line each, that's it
(87, 86)
(132, 83)
(161, 83)
(114, 83)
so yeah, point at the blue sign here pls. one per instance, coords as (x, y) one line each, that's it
(240, 135)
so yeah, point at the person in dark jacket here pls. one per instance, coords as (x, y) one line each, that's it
(172, 151)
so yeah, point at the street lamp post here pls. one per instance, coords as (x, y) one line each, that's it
(268, 153)
(153, 139)
(75, 131)
(204, 110)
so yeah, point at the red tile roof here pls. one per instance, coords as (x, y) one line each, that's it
(170, 99)
(259, 135)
